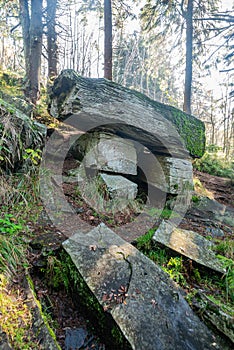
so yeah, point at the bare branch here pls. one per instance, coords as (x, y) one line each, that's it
(229, 19)
(15, 27)
(226, 70)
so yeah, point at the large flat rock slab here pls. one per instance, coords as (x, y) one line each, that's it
(90, 103)
(145, 303)
(190, 244)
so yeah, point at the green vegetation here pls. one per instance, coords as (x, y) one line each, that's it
(8, 225)
(214, 164)
(16, 131)
(11, 83)
(33, 155)
(225, 248)
(173, 265)
(12, 255)
(145, 242)
(195, 199)
(228, 276)
(186, 273)
(16, 317)
(175, 270)
(56, 273)
(19, 204)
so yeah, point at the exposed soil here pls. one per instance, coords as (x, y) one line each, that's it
(221, 188)
(67, 315)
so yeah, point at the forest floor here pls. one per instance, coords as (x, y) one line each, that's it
(68, 315)
(61, 308)
(221, 189)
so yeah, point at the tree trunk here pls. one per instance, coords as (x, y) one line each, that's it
(189, 58)
(32, 29)
(52, 47)
(25, 23)
(108, 40)
(36, 29)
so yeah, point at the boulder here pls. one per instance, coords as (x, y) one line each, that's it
(162, 137)
(169, 174)
(209, 209)
(98, 103)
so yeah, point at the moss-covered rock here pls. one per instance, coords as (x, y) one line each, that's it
(40, 325)
(97, 102)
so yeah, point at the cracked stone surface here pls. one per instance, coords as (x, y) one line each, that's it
(108, 152)
(190, 244)
(151, 312)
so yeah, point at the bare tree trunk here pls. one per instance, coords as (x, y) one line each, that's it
(52, 46)
(36, 29)
(189, 58)
(32, 29)
(108, 40)
(2, 61)
(25, 23)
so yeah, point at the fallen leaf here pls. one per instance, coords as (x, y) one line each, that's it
(93, 247)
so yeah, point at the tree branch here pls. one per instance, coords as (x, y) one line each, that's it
(229, 19)
(226, 70)
(15, 27)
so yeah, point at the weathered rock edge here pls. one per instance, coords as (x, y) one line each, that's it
(41, 328)
(214, 315)
(96, 102)
(154, 314)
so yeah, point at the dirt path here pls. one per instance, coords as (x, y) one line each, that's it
(221, 189)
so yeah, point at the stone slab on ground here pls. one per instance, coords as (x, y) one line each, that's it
(213, 313)
(145, 303)
(190, 244)
(215, 210)
(120, 187)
